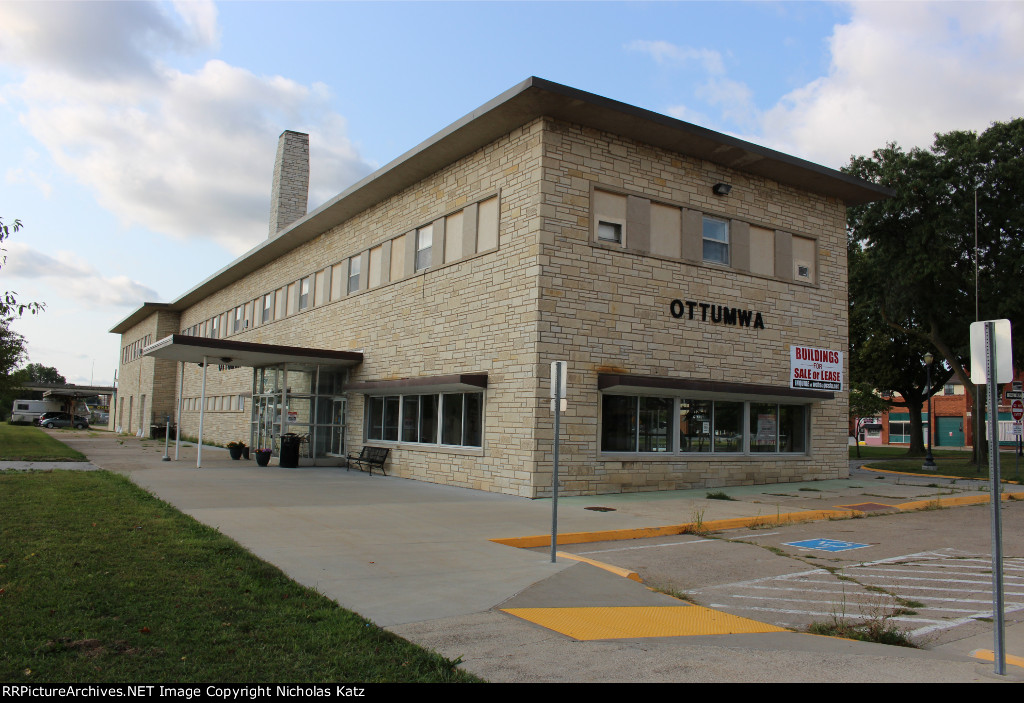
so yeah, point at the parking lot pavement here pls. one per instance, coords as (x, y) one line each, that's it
(927, 572)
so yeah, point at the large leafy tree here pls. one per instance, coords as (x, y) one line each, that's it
(912, 257)
(9, 304)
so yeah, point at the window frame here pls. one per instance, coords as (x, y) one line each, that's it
(725, 244)
(470, 428)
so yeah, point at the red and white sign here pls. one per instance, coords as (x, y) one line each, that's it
(815, 369)
(1017, 409)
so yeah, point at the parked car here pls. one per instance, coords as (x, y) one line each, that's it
(49, 420)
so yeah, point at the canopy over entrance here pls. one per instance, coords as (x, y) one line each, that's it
(271, 414)
(183, 348)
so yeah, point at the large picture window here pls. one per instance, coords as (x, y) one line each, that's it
(453, 419)
(641, 424)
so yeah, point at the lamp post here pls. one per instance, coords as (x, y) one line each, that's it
(929, 461)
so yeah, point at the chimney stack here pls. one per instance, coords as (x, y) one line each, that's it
(288, 199)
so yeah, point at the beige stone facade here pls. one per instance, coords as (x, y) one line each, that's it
(550, 236)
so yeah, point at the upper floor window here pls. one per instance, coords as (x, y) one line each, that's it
(268, 307)
(304, 293)
(354, 264)
(716, 240)
(424, 243)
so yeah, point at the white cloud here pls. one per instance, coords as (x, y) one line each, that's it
(71, 278)
(664, 52)
(187, 154)
(902, 72)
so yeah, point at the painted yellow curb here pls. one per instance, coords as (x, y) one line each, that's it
(954, 501)
(617, 570)
(989, 656)
(670, 530)
(634, 622)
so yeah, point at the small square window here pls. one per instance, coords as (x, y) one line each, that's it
(609, 232)
(716, 241)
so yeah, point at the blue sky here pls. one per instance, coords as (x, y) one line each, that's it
(138, 138)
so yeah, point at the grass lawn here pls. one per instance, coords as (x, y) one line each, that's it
(102, 582)
(950, 462)
(28, 443)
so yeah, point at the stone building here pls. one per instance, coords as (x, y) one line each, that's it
(679, 272)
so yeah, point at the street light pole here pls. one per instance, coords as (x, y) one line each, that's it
(929, 461)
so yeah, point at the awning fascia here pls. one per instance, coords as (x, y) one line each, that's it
(184, 348)
(464, 382)
(694, 388)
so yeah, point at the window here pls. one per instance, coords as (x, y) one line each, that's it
(610, 217)
(304, 293)
(640, 424)
(609, 231)
(268, 307)
(424, 243)
(716, 240)
(454, 419)
(353, 273)
(238, 319)
(804, 259)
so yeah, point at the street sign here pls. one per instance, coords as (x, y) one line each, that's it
(1017, 409)
(1014, 395)
(1015, 429)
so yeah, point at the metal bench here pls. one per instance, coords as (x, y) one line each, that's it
(368, 458)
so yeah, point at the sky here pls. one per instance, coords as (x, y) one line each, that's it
(137, 139)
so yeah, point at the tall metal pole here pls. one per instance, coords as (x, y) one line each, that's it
(554, 475)
(202, 415)
(177, 426)
(995, 486)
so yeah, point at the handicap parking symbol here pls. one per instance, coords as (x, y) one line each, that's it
(826, 545)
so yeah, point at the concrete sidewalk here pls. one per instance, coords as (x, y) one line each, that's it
(418, 559)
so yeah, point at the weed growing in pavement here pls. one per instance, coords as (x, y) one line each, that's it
(719, 495)
(816, 490)
(696, 526)
(678, 595)
(877, 625)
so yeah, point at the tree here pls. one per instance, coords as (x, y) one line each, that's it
(9, 305)
(912, 277)
(12, 351)
(37, 373)
(12, 344)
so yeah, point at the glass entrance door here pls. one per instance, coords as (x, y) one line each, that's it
(337, 446)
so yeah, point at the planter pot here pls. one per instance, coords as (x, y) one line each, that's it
(235, 452)
(245, 453)
(263, 457)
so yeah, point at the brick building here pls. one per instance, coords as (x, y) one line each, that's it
(672, 267)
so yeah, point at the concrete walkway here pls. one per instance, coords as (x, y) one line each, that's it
(418, 559)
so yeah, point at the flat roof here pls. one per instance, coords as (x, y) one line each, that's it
(521, 104)
(180, 347)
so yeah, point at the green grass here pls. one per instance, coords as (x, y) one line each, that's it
(100, 581)
(719, 495)
(27, 443)
(949, 462)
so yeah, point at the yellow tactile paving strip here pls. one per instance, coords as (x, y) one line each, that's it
(989, 656)
(635, 622)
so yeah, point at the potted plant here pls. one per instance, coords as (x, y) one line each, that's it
(263, 457)
(236, 449)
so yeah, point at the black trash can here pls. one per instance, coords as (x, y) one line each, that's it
(289, 458)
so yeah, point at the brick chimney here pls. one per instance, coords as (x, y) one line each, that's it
(288, 199)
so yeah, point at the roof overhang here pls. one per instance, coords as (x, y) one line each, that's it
(458, 382)
(180, 347)
(692, 388)
(75, 391)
